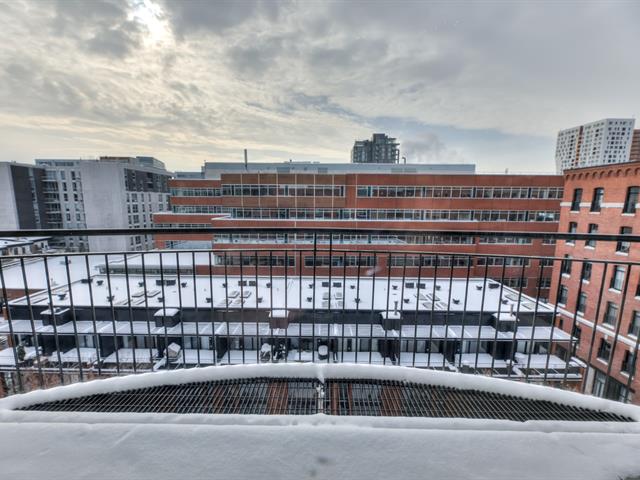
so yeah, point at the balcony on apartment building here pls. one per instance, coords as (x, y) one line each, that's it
(71, 317)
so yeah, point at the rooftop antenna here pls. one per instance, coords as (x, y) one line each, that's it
(246, 160)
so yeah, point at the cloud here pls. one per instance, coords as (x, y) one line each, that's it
(103, 27)
(197, 16)
(195, 80)
(428, 148)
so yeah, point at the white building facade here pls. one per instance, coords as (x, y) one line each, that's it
(602, 142)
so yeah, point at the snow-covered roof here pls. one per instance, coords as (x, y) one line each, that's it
(365, 294)
(132, 445)
(35, 271)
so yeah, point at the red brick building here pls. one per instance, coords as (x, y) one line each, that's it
(401, 202)
(602, 200)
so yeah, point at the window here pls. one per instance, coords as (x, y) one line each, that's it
(623, 247)
(596, 202)
(582, 303)
(634, 326)
(593, 228)
(577, 332)
(604, 350)
(565, 267)
(628, 363)
(573, 228)
(617, 278)
(631, 200)
(563, 294)
(586, 271)
(610, 314)
(577, 198)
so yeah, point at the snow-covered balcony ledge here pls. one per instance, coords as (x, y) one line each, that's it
(141, 445)
(321, 373)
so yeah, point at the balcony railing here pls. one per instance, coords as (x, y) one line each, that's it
(76, 316)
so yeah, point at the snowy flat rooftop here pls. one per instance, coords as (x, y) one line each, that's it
(327, 443)
(36, 271)
(278, 293)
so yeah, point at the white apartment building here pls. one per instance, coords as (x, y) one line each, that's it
(110, 192)
(597, 143)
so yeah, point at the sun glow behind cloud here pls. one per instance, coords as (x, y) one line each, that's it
(153, 18)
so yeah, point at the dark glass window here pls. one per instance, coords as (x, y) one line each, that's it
(631, 200)
(634, 326)
(577, 198)
(593, 228)
(628, 363)
(610, 314)
(617, 279)
(563, 294)
(582, 303)
(624, 247)
(573, 228)
(586, 271)
(604, 350)
(596, 201)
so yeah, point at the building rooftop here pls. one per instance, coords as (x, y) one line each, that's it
(214, 169)
(265, 293)
(323, 421)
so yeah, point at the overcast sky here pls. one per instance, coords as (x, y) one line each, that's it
(489, 83)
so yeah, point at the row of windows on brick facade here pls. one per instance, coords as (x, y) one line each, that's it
(374, 214)
(617, 277)
(597, 199)
(628, 364)
(339, 238)
(610, 314)
(382, 191)
(621, 246)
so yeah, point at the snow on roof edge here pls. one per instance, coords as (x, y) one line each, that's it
(322, 371)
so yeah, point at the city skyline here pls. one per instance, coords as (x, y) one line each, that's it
(189, 83)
